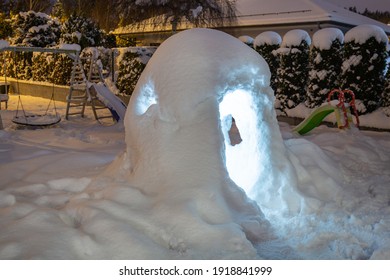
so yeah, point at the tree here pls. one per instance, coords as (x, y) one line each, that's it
(104, 13)
(15, 6)
(173, 12)
(326, 57)
(80, 30)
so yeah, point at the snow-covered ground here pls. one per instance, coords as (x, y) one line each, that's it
(179, 179)
(48, 212)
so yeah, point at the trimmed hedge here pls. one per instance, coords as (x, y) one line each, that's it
(325, 65)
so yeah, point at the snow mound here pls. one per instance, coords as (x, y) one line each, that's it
(180, 160)
(207, 87)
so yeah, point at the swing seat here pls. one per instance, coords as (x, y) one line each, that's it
(37, 120)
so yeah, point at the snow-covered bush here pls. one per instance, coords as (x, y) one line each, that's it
(131, 65)
(266, 45)
(364, 65)
(35, 30)
(326, 57)
(82, 31)
(293, 69)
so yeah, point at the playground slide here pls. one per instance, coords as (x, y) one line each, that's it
(314, 119)
(113, 103)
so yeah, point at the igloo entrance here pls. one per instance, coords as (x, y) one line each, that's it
(241, 149)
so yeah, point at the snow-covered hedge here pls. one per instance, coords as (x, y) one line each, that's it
(132, 62)
(326, 57)
(52, 68)
(266, 45)
(363, 69)
(386, 94)
(293, 71)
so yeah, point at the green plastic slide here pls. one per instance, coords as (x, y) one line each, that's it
(314, 119)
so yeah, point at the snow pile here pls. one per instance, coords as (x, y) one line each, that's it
(177, 127)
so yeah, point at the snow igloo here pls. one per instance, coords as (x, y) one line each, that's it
(204, 153)
(202, 114)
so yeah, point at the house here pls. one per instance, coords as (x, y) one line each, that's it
(257, 16)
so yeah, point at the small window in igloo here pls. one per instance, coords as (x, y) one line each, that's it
(241, 134)
(146, 98)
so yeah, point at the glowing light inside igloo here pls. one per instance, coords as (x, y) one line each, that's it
(146, 99)
(243, 159)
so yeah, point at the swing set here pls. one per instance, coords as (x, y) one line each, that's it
(22, 117)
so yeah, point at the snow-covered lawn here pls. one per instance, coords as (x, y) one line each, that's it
(54, 204)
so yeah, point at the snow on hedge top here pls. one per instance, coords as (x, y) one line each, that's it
(246, 39)
(360, 34)
(3, 44)
(269, 38)
(295, 37)
(324, 38)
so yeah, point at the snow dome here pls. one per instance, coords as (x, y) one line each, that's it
(200, 92)
(204, 159)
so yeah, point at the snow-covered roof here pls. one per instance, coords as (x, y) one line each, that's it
(264, 12)
(262, 15)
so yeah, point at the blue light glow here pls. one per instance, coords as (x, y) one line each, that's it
(146, 99)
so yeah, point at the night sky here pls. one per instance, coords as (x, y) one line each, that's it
(372, 5)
